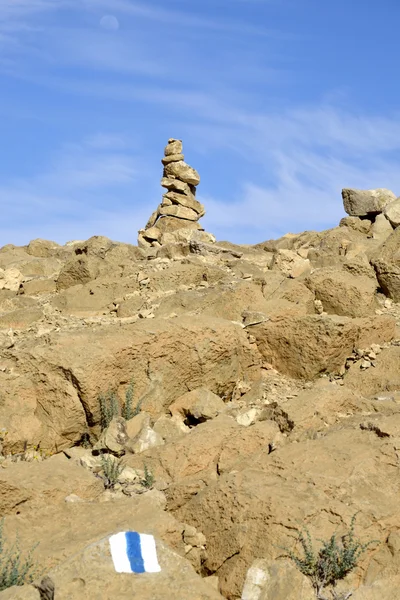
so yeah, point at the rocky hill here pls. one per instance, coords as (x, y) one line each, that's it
(239, 391)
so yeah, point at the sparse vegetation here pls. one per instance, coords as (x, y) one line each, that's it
(112, 469)
(14, 568)
(331, 563)
(148, 478)
(110, 406)
(128, 411)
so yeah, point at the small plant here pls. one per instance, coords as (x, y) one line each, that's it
(112, 469)
(334, 560)
(109, 408)
(14, 569)
(148, 479)
(128, 411)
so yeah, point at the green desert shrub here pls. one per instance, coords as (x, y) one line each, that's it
(110, 406)
(112, 469)
(335, 559)
(148, 478)
(16, 568)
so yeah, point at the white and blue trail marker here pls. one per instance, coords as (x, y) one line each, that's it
(134, 552)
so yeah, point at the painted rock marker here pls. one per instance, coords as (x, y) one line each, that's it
(134, 552)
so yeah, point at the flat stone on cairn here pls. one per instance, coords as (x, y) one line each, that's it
(179, 209)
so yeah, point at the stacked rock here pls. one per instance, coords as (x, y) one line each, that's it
(179, 209)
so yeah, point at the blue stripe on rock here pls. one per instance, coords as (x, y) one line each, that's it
(134, 551)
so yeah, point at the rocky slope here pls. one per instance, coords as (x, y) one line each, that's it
(264, 383)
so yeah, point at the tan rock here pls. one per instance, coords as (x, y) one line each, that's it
(169, 224)
(387, 266)
(277, 580)
(342, 293)
(152, 233)
(361, 225)
(147, 438)
(38, 286)
(130, 307)
(187, 200)
(180, 212)
(182, 171)
(290, 263)
(314, 344)
(74, 550)
(135, 425)
(185, 235)
(152, 220)
(79, 270)
(304, 483)
(174, 250)
(20, 319)
(43, 248)
(197, 406)
(384, 377)
(172, 158)
(226, 301)
(392, 212)
(360, 203)
(26, 485)
(11, 279)
(381, 228)
(114, 438)
(173, 147)
(175, 185)
(170, 428)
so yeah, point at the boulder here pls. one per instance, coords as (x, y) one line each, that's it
(187, 200)
(290, 263)
(78, 270)
(276, 580)
(182, 171)
(11, 279)
(254, 510)
(172, 158)
(387, 266)
(56, 395)
(74, 550)
(114, 438)
(175, 185)
(342, 293)
(361, 203)
(361, 225)
(392, 212)
(30, 485)
(173, 147)
(381, 228)
(197, 406)
(384, 377)
(308, 346)
(180, 212)
(43, 248)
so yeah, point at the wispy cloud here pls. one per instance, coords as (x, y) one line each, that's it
(83, 192)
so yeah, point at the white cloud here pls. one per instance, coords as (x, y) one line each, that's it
(82, 193)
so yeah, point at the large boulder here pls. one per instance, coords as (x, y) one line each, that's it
(255, 509)
(53, 393)
(29, 485)
(361, 203)
(74, 551)
(387, 265)
(310, 345)
(342, 293)
(392, 212)
(182, 171)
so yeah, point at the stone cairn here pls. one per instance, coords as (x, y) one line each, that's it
(176, 218)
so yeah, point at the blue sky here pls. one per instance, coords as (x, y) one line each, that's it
(280, 104)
